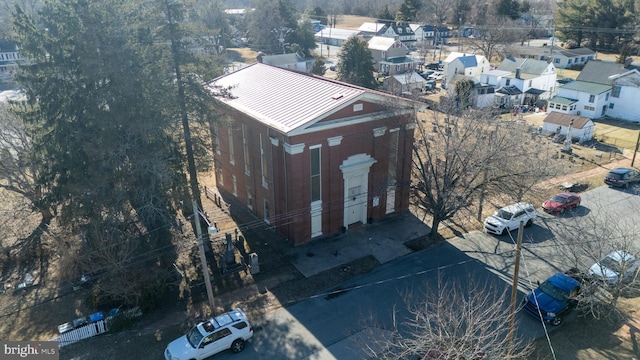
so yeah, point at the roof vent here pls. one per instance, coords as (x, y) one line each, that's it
(337, 96)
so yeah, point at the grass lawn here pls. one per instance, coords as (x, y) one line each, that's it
(618, 133)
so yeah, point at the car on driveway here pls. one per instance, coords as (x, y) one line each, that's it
(622, 177)
(436, 76)
(226, 331)
(561, 202)
(509, 217)
(617, 265)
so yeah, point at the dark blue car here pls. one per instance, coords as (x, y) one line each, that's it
(553, 298)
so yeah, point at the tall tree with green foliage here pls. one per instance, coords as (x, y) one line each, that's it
(385, 16)
(104, 110)
(318, 67)
(317, 13)
(508, 8)
(355, 64)
(408, 11)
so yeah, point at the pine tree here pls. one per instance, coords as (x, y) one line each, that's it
(355, 65)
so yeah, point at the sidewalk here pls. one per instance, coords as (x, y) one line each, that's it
(385, 240)
(580, 176)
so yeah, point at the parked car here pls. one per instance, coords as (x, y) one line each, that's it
(433, 66)
(436, 76)
(509, 217)
(429, 86)
(622, 177)
(226, 331)
(561, 202)
(553, 298)
(618, 264)
(425, 74)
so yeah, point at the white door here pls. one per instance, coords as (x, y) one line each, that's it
(355, 205)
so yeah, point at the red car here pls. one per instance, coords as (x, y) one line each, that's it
(561, 202)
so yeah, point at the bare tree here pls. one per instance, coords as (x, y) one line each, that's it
(494, 34)
(587, 239)
(460, 158)
(452, 321)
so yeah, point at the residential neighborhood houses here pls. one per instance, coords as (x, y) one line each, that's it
(313, 157)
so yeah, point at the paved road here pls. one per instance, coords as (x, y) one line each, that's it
(336, 326)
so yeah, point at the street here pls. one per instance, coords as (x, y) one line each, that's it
(339, 325)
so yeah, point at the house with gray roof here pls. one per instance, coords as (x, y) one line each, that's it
(465, 64)
(390, 56)
(310, 156)
(625, 93)
(602, 89)
(560, 57)
(285, 61)
(335, 36)
(408, 83)
(521, 81)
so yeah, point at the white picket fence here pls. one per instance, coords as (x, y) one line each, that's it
(91, 329)
(81, 333)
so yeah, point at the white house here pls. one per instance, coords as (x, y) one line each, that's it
(592, 94)
(625, 94)
(582, 129)
(465, 64)
(9, 58)
(369, 29)
(334, 36)
(389, 56)
(286, 61)
(522, 81)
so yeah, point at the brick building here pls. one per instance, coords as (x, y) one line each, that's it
(309, 155)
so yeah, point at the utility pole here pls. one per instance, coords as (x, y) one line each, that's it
(514, 291)
(203, 257)
(633, 159)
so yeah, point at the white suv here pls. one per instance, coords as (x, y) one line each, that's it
(509, 217)
(227, 331)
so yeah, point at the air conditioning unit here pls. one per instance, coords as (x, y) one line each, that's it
(578, 113)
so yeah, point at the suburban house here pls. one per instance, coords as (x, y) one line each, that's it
(369, 29)
(465, 64)
(404, 84)
(560, 57)
(482, 95)
(334, 36)
(521, 81)
(402, 32)
(625, 93)
(431, 33)
(314, 158)
(582, 129)
(9, 58)
(285, 61)
(602, 88)
(390, 56)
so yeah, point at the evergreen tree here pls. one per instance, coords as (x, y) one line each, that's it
(385, 17)
(318, 67)
(355, 64)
